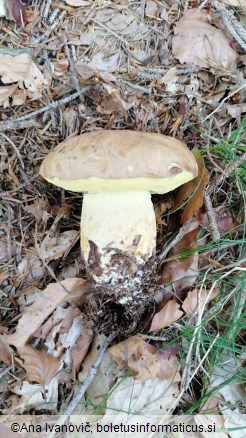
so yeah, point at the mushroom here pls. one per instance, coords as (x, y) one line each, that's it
(118, 171)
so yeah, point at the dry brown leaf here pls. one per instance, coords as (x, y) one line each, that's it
(40, 366)
(80, 347)
(168, 314)
(5, 355)
(31, 268)
(179, 274)
(60, 66)
(197, 299)
(200, 43)
(144, 359)
(52, 248)
(83, 69)
(39, 209)
(194, 188)
(20, 76)
(132, 400)
(44, 305)
(139, 356)
(225, 220)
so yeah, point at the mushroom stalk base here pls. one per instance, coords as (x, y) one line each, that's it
(118, 238)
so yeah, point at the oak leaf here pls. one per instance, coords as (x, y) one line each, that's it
(197, 42)
(168, 314)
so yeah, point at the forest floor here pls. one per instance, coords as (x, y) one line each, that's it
(170, 67)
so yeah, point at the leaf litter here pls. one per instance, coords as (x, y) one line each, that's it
(141, 77)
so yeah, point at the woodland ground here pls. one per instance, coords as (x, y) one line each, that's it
(116, 65)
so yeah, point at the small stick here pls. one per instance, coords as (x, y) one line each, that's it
(85, 385)
(14, 147)
(184, 230)
(215, 234)
(225, 99)
(14, 123)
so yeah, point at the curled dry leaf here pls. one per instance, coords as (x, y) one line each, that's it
(201, 43)
(198, 299)
(44, 305)
(40, 366)
(145, 360)
(60, 67)
(20, 77)
(168, 314)
(194, 190)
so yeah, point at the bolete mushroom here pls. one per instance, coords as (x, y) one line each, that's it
(118, 171)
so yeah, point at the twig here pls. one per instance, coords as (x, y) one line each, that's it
(14, 123)
(18, 188)
(215, 234)
(234, 27)
(14, 147)
(225, 99)
(85, 385)
(184, 230)
(112, 32)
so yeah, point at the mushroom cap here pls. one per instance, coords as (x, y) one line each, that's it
(118, 161)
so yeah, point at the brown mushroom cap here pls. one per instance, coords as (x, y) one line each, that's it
(119, 160)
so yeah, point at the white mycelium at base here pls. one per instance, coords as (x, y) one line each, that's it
(118, 238)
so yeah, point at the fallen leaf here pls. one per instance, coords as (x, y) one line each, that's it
(144, 359)
(39, 209)
(225, 220)
(60, 66)
(194, 191)
(54, 247)
(5, 355)
(233, 392)
(168, 314)
(201, 43)
(99, 63)
(20, 76)
(107, 374)
(16, 9)
(197, 299)
(35, 395)
(130, 401)
(40, 366)
(31, 269)
(139, 356)
(44, 305)
(180, 273)
(83, 69)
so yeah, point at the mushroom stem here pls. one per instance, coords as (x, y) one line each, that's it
(118, 238)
